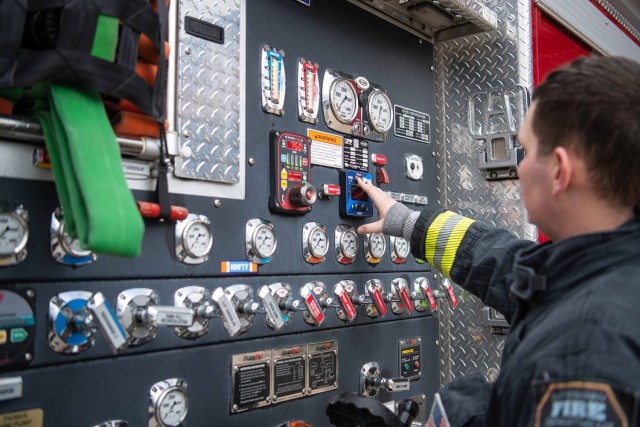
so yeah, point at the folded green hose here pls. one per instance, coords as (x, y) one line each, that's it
(98, 206)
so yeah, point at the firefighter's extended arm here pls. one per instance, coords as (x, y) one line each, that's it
(474, 255)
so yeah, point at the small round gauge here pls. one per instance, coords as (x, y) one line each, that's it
(71, 245)
(401, 247)
(318, 242)
(168, 403)
(197, 238)
(343, 100)
(264, 241)
(14, 233)
(377, 245)
(380, 111)
(172, 407)
(349, 244)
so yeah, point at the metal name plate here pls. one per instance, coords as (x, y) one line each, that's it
(250, 381)
(289, 373)
(323, 366)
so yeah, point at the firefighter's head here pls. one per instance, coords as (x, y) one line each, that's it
(582, 137)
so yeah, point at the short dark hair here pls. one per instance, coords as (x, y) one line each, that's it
(592, 106)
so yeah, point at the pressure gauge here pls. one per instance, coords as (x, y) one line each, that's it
(193, 239)
(349, 244)
(343, 100)
(264, 241)
(345, 243)
(374, 247)
(400, 250)
(260, 240)
(197, 238)
(315, 242)
(380, 111)
(14, 233)
(168, 403)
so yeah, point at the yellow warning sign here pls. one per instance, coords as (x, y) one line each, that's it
(324, 137)
(28, 418)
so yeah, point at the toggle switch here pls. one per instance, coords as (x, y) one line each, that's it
(382, 177)
(140, 315)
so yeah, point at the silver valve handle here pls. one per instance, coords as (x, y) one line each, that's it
(205, 311)
(391, 298)
(292, 305)
(166, 315)
(271, 308)
(251, 307)
(230, 319)
(327, 302)
(107, 322)
(361, 299)
(391, 384)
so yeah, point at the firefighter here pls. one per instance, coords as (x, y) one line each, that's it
(572, 354)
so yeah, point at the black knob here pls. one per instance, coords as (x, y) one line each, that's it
(303, 196)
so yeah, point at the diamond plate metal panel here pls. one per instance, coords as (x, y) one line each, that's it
(464, 66)
(208, 95)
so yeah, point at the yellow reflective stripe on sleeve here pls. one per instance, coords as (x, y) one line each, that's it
(432, 235)
(453, 243)
(443, 239)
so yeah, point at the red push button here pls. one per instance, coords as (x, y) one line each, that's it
(378, 159)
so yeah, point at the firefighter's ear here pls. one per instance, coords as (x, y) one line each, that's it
(563, 170)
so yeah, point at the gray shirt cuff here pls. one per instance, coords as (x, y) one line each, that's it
(395, 220)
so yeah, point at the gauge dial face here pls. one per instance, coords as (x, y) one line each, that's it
(349, 244)
(318, 242)
(264, 241)
(401, 247)
(172, 406)
(377, 245)
(380, 111)
(343, 100)
(197, 239)
(13, 233)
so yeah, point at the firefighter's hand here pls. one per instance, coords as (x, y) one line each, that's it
(382, 202)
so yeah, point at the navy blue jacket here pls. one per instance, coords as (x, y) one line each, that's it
(572, 354)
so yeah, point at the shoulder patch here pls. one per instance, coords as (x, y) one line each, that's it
(579, 403)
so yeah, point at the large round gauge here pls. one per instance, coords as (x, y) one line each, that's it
(13, 233)
(401, 246)
(169, 403)
(318, 242)
(380, 111)
(349, 244)
(264, 241)
(343, 100)
(197, 238)
(377, 245)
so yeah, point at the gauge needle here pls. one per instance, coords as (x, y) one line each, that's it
(5, 231)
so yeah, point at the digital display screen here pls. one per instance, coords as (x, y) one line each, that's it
(295, 146)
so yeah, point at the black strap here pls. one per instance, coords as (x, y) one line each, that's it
(71, 58)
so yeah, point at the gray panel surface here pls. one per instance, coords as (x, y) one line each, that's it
(464, 66)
